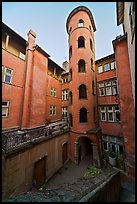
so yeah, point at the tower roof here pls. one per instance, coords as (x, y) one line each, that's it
(81, 8)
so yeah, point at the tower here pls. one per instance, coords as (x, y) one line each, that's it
(82, 109)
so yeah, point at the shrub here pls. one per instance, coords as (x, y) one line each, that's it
(92, 171)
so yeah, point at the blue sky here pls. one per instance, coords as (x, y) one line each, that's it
(48, 21)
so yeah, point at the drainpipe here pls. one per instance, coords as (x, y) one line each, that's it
(28, 79)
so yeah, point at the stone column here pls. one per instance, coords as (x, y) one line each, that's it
(76, 152)
(96, 159)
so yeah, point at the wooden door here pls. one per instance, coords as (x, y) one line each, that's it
(40, 172)
(65, 152)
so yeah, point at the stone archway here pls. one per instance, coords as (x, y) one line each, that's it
(83, 147)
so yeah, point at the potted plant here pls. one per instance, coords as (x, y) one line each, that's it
(112, 158)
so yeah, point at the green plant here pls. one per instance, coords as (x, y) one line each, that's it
(112, 154)
(105, 155)
(120, 162)
(92, 171)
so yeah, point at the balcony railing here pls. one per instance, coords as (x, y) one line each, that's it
(16, 139)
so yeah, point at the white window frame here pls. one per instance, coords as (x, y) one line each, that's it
(52, 110)
(103, 111)
(100, 69)
(6, 107)
(7, 74)
(112, 112)
(53, 91)
(65, 95)
(64, 112)
(80, 24)
(112, 65)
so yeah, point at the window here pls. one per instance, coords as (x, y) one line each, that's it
(81, 23)
(70, 98)
(70, 30)
(70, 52)
(91, 45)
(89, 27)
(83, 115)
(52, 110)
(108, 88)
(106, 67)
(100, 69)
(64, 112)
(81, 42)
(65, 95)
(70, 75)
(120, 150)
(101, 89)
(103, 113)
(53, 92)
(112, 65)
(7, 74)
(22, 56)
(110, 114)
(5, 108)
(82, 91)
(65, 80)
(81, 65)
(92, 66)
(105, 145)
(93, 87)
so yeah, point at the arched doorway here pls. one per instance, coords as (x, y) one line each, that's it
(84, 150)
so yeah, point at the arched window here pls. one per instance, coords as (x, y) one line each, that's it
(70, 74)
(70, 30)
(81, 23)
(70, 52)
(82, 91)
(70, 120)
(83, 115)
(92, 64)
(91, 45)
(70, 98)
(81, 42)
(81, 65)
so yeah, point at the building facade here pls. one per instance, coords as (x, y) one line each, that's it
(51, 114)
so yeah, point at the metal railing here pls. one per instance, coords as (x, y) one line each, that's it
(19, 138)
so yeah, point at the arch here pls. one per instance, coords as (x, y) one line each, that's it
(82, 91)
(81, 42)
(83, 115)
(70, 52)
(81, 23)
(81, 65)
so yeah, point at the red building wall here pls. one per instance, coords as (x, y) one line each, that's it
(126, 104)
(14, 91)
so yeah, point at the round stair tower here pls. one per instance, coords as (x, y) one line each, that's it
(82, 85)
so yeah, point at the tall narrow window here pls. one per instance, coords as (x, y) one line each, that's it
(81, 23)
(70, 75)
(5, 108)
(93, 87)
(81, 65)
(70, 52)
(100, 69)
(70, 98)
(64, 112)
(83, 115)
(91, 45)
(103, 113)
(52, 110)
(82, 91)
(81, 42)
(70, 120)
(8, 75)
(106, 67)
(70, 30)
(53, 92)
(92, 67)
(65, 95)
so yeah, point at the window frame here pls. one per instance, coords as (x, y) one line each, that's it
(65, 95)
(106, 65)
(7, 74)
(5, 107)
(53, 92)
(52, 110)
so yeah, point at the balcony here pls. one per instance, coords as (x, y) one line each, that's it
(19, 139)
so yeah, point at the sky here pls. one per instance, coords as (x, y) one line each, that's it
(48, 21)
